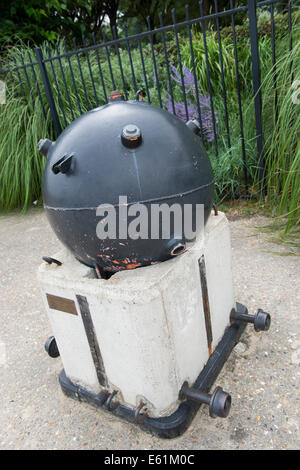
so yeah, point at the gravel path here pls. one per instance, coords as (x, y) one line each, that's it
(262, 374)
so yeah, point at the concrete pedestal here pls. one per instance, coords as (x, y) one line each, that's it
(143, 332)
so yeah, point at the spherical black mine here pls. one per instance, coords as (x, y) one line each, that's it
(119, 155)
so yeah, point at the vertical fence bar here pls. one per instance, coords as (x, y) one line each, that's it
(20, 80)
(73, 79)
(274, 61)
(143, 63)
(130, 58)
(99, 67)
(167, 62)
(81, 75)
(90, 71)
(256, 89)
(60, 101)
(222, 75)
(290, 37)
(208, 77)
(187, 15)
(120, 62)
(26, 77)
(65, 82)
(48, 91)
(180, 65)
(37, 85)
(290, 26)
(238, 88)
(108, 59)
(154, 63)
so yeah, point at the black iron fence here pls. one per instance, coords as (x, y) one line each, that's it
(164, 63)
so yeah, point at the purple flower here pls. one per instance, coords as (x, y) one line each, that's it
(188, 78)
(187, 85)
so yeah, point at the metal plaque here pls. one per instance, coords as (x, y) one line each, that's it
(62, 304)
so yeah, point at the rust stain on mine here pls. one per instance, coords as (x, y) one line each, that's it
(133, 266)
(117, 265)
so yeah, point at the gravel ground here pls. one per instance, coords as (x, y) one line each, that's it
(262, 373)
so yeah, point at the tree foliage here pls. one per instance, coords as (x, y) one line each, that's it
(35, 21)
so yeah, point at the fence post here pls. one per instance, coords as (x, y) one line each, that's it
(48, 90)
(256, 89)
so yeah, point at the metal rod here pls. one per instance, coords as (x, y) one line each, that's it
(180, 65)
(100, 68)
(167, 64)
(90, 72)
(130, 58)
(65, 84)
(81, 75)
(17, 67)
(120, 63)
(37, 85)
(154, 63)
(92, 338)
(17, 70)
(108, 57)
(59, 97)
(196, 395)
(194, 73)
(274, 61)
(290, 38)
(256, 90)
(143, 63)
(238, 89)
(48, 91)
(205, 302)
(208, 79)
(27, 78)
(242, 317)
(222, 77)
(73, 80)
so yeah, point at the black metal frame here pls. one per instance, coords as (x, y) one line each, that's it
(44, 74)
(177, 423)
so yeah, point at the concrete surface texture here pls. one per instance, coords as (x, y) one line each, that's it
(262, 373)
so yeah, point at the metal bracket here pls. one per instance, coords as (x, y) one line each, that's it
(63, 165)
(139, 419)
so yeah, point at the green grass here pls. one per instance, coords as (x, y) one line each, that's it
(21, 165)
(282, 146)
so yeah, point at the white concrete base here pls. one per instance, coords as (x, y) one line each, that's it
(149, 322)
